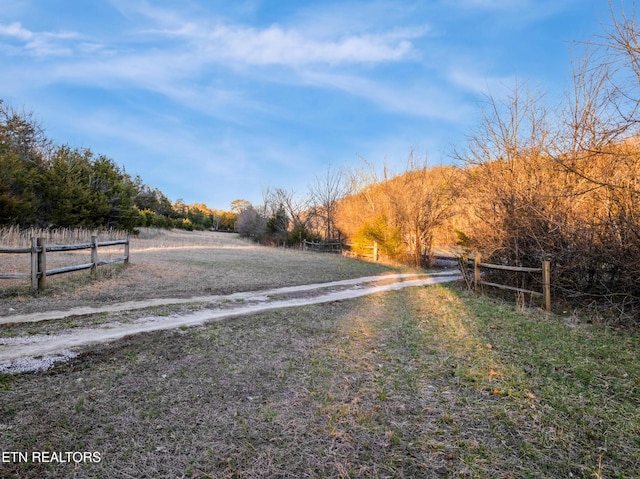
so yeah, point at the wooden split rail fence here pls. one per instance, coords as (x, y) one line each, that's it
(39, 249)
(323, 247)
(544, 270)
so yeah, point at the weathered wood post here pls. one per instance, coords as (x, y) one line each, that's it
(375, 251)
(476, 274)
(463, 264)
(546, 284)
(94, 254)
(34, 263)
(42, 263)
(126, 251)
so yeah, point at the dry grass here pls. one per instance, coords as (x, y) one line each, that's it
(175, 264)
(17, 237)
(419, 383)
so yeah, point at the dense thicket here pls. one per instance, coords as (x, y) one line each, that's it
(45, 185)
(526, 198)
(563, 184)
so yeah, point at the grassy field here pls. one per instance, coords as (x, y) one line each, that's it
(172, 264)
(425, 382)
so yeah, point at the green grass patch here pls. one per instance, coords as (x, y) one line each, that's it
(577, 384)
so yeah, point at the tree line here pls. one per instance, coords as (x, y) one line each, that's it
(48, 185)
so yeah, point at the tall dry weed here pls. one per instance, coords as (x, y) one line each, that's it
(14, 236)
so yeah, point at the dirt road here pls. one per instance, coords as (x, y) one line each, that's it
(41, 351)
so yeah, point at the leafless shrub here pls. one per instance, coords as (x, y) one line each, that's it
(564, 188)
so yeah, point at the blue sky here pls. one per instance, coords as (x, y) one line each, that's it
(212, 100)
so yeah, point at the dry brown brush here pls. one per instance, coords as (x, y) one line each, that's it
(564, 191)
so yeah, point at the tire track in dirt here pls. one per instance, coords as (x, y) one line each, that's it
(31, 353)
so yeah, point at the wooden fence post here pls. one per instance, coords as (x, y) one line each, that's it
(476, 274)
(126, 251)
(94, 254)
(463, 263)
(42, 263)
(34, 263)
(375, 251)
(546, 284)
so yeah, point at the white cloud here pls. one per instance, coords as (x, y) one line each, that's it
(194, 50)
(276, 45)
(16, 30)
(329, 35)
(197, 51)
(39, 43)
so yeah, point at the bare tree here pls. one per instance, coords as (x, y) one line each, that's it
(622, 59)
(565, 187)
(251, 223)
(325, 193)
(421, 201)
(288, 201)
(506, 174)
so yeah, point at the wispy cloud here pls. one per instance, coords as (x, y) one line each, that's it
(424, 100)
(195, 52)
(289, 46)
(36, 43)
(277, 46)
(16, 30)
(329, 39)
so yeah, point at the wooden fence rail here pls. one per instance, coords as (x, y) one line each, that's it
(39, 249)
(323, 247)
(545, 270)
